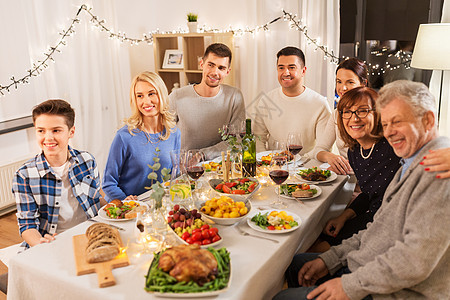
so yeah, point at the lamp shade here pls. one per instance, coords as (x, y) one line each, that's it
(432, 48)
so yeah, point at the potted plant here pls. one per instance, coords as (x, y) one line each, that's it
(192, 22)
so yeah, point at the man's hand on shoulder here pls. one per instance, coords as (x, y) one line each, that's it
(331, 289)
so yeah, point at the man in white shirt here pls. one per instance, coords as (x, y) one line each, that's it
(292, 107)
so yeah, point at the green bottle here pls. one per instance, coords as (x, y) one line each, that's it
(248, 151)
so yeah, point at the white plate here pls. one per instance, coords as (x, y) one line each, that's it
(102, 213)
(259, 155)
(202, 246)
(319, 191)
(332, 177)
(265, 153)
(257, 228)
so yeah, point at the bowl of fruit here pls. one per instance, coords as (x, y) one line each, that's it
(236, 188)
(224, 210)
(191, 229)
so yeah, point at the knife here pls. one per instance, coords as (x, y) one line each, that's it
(304, 162)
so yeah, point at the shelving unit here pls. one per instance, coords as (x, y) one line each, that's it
(193, 46)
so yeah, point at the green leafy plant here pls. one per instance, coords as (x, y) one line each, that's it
(191, 17)
(158, 189)
(232, 141)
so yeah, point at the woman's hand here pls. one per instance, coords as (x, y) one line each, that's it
(438, 160)
(338, 164)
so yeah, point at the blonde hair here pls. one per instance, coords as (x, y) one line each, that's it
(136, 122)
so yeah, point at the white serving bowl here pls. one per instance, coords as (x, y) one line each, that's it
(214, 182)
(227, 221)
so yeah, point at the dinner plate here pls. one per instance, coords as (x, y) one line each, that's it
(332, 177)
(319, 191)
(257, 228)
(102, 213)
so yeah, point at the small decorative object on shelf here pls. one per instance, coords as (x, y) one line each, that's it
(173, 59)
(176, 85)
(192, 22)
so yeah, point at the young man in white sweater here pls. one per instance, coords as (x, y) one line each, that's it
(201, 109)
(292, 107)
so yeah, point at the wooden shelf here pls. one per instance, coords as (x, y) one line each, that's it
(169, 70)
(193, 46)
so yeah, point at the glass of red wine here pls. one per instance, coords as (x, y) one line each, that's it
(242, 129)
(294, 145)
(278, 174)
(194, 164)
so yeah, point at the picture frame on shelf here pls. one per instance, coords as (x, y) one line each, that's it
(173, 59)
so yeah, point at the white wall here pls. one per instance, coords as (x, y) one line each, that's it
(254, 56)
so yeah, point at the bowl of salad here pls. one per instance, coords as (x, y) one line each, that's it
(236, 188)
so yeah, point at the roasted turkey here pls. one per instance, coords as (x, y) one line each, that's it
(189, 263)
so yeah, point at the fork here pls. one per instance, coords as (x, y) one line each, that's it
(244, 233)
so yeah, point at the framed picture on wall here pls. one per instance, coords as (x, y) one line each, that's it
(173, 59)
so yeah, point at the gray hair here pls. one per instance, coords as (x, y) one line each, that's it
(416, 94)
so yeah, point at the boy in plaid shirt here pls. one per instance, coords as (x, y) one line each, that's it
(58, 188)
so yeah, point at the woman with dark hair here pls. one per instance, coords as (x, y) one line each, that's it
(350, 73)
(372, 160)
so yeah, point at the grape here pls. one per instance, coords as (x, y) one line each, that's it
(176, 216)
(198, 215)
(194, 212)
(171, 212)
(176, 207)
(182, 211)
(182, 218)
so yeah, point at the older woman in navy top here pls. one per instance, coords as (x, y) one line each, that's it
(148, 133)
(371, 158)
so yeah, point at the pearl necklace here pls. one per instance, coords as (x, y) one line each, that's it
(371, 149)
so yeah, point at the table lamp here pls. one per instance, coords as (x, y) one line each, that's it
(432, 50)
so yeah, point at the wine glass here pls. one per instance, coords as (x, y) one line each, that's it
(194, 164)
(229, 130)
(279, 175)
(294, 145)
(242, 129)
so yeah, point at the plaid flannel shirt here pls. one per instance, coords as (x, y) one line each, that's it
(37, 189)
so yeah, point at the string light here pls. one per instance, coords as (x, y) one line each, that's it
(98, 23)
(403, 57)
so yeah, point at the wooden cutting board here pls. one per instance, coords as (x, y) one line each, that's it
(103, 269)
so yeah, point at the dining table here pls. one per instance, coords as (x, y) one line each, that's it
(258, 259)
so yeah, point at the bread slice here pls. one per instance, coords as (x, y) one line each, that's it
(103, 243)
(134, 212)
(302, 194)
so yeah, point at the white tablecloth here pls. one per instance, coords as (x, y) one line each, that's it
(48, 271)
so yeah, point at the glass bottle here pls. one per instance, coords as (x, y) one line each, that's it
(248, 151)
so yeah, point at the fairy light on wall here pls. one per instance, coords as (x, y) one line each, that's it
(294, 23)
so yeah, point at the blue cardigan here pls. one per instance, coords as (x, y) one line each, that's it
(129, 156)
